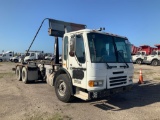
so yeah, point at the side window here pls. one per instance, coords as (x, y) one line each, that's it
(80, 51)
(32, 54)
(65, 46)
(10, 55)
(143, 53)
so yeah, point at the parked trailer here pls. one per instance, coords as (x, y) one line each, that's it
(154, 58)
(94, 64)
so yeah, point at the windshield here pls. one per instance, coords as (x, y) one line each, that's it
(105, 48)
(154, 53)
(138, 53)
(27, 54)
(123, 48)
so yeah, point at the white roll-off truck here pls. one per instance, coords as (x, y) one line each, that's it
(94, 63)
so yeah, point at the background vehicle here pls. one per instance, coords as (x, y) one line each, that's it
(17, 58)
(154, 58)
(49, 56)
(144, 51)
(94, 63)
(34, 55)
(6, 56)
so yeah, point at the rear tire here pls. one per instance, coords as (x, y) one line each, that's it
(139, 61)
(24, 75)
(18, 73)
(15, 60)
(62, 88)
(1, 60)
(154, 63)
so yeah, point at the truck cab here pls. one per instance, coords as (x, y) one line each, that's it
(17, 58)
(138, 58)
(97, 61)
(153, 59)
(33, 56)
(6, 56)
(144, 51)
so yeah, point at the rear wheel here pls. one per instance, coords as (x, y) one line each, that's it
(18, 73)
(154, 63)
(62, 88)
(0, 60)
(15, 60)
(24, 75)
(139, 61)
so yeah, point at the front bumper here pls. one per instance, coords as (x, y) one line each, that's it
(108, 92)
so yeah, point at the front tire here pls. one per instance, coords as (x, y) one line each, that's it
(24, 75)
(154, 63)
(62, 88)
(18, 73)
(15, 60)
(139, 61)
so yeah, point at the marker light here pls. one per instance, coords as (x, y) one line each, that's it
(95, 83)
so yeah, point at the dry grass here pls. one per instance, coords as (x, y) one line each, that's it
(10, 74)
(145, 73)
(44, 116)
(156, 78)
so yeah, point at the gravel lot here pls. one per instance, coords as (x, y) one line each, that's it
(37, 101)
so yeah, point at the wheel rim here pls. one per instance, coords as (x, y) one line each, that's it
(155, 63)
(139, 62)
(62, 88)
(23, 75)
(17, 73)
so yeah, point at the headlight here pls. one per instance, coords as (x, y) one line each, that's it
(95, 83)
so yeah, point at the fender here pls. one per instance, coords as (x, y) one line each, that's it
(64, 71)
(155, 59)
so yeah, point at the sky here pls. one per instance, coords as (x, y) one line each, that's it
(138, 20)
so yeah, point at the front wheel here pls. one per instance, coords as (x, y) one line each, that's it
(15, 60)
(62, 88)
(138, 61)
(154, 63)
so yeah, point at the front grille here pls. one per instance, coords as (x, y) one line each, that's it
(115, 81)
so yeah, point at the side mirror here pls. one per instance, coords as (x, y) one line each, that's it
(72, 53)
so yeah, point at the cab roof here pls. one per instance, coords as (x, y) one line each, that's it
(95, 31)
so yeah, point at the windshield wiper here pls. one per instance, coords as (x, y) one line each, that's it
(127, 66)
(108, 67)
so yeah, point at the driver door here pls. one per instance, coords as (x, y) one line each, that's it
(77, 61)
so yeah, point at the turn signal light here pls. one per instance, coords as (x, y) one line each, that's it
(95, 83)
(91, 83)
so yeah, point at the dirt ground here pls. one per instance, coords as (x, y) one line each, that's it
(37, 101)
